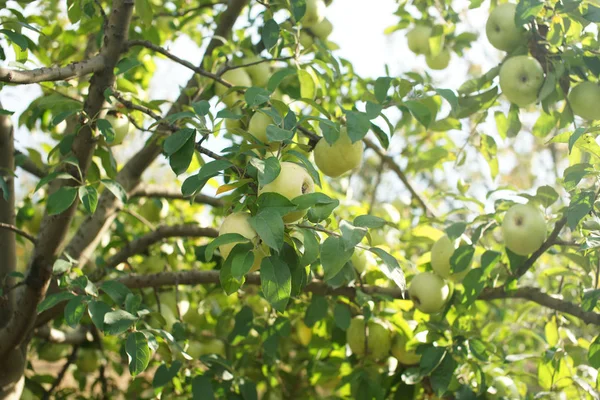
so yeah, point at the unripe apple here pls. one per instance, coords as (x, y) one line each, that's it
(305, 39)
(53, 351)
(523, 229)
(238, 223)
(259, 73)
(521, 79)
(342, 156)
(379, 339)
(403, 354)
(439, 61)
(418, 39)
(292, 181)
(237, 77)
(257, 127)
(303, 333)
(154, 210)
(233, 124)
(429, 292)
(359, 260)
(87, 360)
(315, 12)
(323, 29)
(441, 252)
(120, 124)
(501, 30)
(585, 100)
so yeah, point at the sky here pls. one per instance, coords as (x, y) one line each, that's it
(359, 32)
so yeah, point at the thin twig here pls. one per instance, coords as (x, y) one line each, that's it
(18, 231)
(62, 373)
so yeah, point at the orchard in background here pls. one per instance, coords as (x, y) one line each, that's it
(312, 234)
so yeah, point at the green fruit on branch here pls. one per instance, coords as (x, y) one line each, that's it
(359, 260)
(154, 210)
(501, 30)
(237, 77)
(441, 253)
(259, 73)
(257, 127)
(120, 124)
(292, 181)
(340, 157)
(404, 354)
(378, 343)
(53, 352)
(239, 223)
(418, 39)
(439, 61)
(303, 333)
(521, 79)
(87, 360)
(323, 29)
(524, 229)
(315, 12)
(429, 292)
(305, 39)
(585, 100)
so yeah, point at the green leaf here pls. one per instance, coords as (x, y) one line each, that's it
(256, 96)
(106, 129)
(316, 311)
(240, 260)
(126, 64)
(16, 38)
(308, 89)
(196, 182)
(117, 322)
(420, 111)
(382, 85)
(202, 108)
(268, 170)
(143, 8)
(581, 204)
(54, 299)
(177, 140)
(61, 200)
(527, 10)
(279, 76)
(450, 97)
(461, 258)
(342, 316)
(390, 268)
(276, 134)
(311, 248)
(443, 374)
(334, 256)
(473, 285)
(202, 388)
(138, 352)
(164, 374)
(455, 230)
(357, 124)
(116, 290)
(298, 9)
(594, 353)
(229, 284)
(276, 282)
(546, 195)
(6, 112)
(89, 198)
(243, 323)
(61, 266)
(381, 136)
(97, 310)
(116, 189)
(312, 171)
(276, 202)
(74, 311)
(574, 137)
(270, 33)
(592, 14)
(351, 235)
(221, 240)
(369, 221)
(431, 358)
(182, 158)
(269, 226)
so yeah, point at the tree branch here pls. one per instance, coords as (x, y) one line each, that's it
(46, 74)
(16, 230)
(26, 164)
(158, 191)
(139, 245)
(52, 335)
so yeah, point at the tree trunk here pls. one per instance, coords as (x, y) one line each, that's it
(12, 366)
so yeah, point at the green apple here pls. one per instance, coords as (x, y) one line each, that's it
(151, 265)
(154, 210)
(315, 10)
(238, 223)
(257, 127)
(237, 77)
(196, 349)
(233, 125)
(505, 389)
(359, 260)
(53, 351)
(87, 360)
(168, 314)
(521, 79)
(303, 333)
(120, 124)
(418, 39)
(323, 29)
(585, 100)
(439, 61)
(441, 252)
(259, 73)
(216, 346)
(305, 39)
(292, 181)
(524, 229)
(501, 30)
(170, 300)
(429, 292)
(403, 353)
(342, 156)
(379, 341)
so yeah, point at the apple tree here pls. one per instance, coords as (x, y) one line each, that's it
(282, 227)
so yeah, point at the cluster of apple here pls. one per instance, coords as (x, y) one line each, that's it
(314, 23)
(524, 231)
(418, 43)
(522, 76)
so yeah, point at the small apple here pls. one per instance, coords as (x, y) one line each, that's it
(359, 260)
(521, 79)
(501, 30)
(441, 251)
(585, 100)
(342, 156)
(215, 346)
(403, 353)
(232, 125)
(429, 292)
(196, 349)
(305, 39)
(237, 77)
(53, 351)
(87, 360)
(154, 210)
(523, 229)
(259, 73)
(303, 333)
(379, 341)
(439, 61)
(168, 314)
(120, 124)
(418, 39)
(323, 29)
(315, 10)
(257, 127)
(238, 223)
(292, 181)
